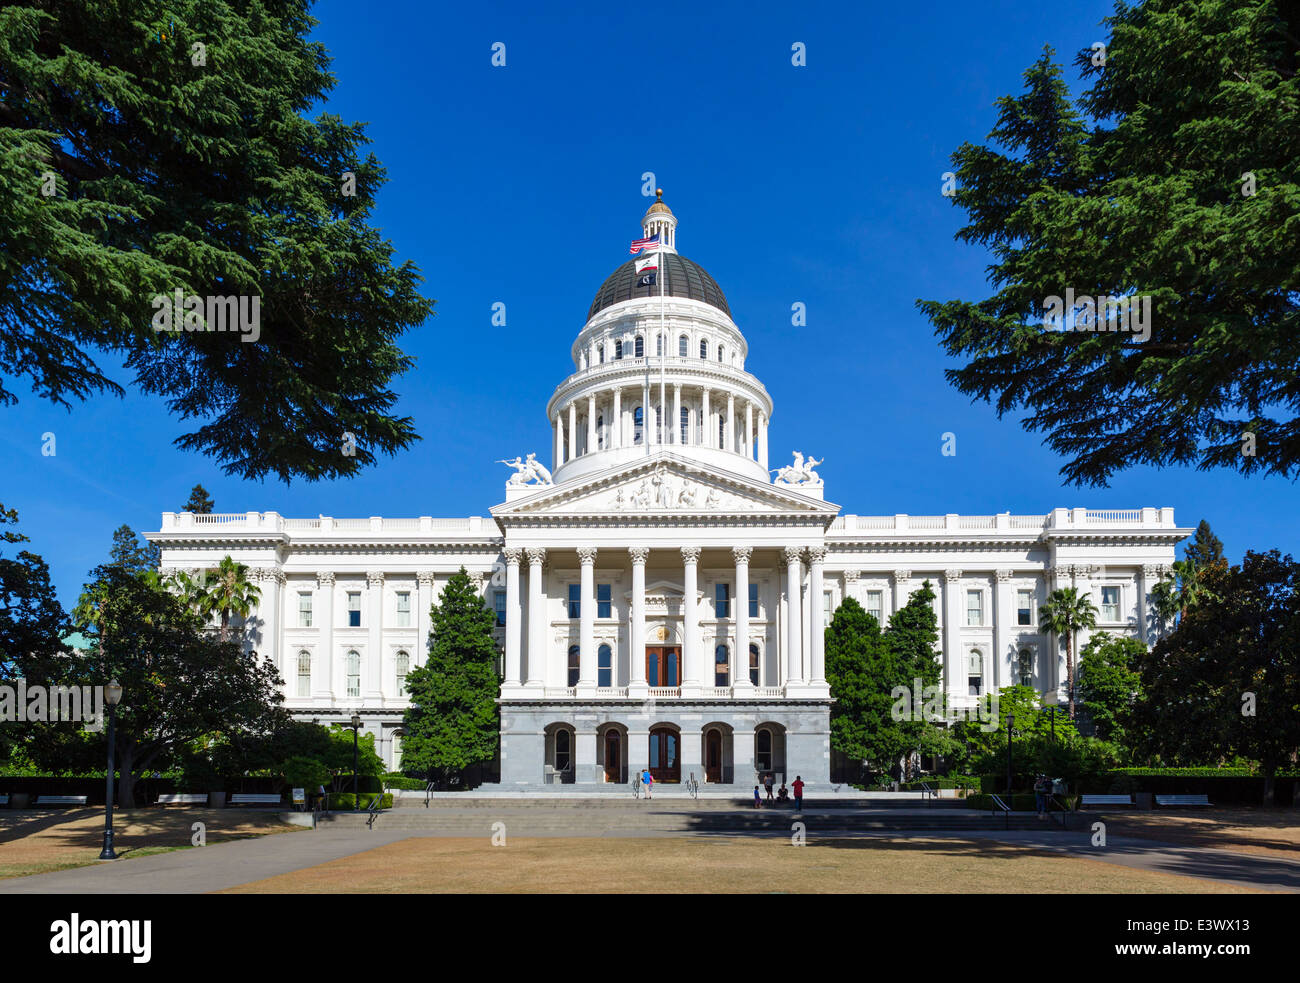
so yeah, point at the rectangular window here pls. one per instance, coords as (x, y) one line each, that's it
(304, 609)
(575, 602)
(974, 608)
(604, 601)
(1110, 604)
(403, 609)
(875, 603)
(354, 675)
(354, 609)
(722, 601)
(1024, 607)
(499, 605)
(1026, 667)
(304, 675)
(753, 600)
(605, 666)
(828, 608)
(975, 677)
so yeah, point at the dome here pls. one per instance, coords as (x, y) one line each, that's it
(681, 278)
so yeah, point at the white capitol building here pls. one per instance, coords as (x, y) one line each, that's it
(660, 597)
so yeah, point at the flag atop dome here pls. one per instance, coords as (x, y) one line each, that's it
(649, 242)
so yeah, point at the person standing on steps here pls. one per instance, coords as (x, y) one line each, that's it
(798, 793)
(758, 802)
(648, 780)
(767, 784)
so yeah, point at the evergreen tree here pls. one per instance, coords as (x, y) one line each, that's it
(453, 720)
(1205, 549)
(183, 159)
(200, 503)
(913, 637)
(1110, 685)
(130, 554)
(1167, 183)
(862, 669)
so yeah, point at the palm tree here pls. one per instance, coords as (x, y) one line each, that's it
(1064, 612)
(1184, 588)
(228, 592)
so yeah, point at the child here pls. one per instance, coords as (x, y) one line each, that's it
(758, 802)
(649, 782)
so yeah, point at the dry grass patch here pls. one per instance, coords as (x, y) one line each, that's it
(1263, 832)
(41, 842)
(731, 865)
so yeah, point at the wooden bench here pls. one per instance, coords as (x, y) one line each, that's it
(61, 800)
(255, 799)
(1182, 800)
(183, 799)
(1106, 800)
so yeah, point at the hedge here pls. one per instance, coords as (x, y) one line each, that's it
(343, 801)
(404, 783)
(1233, 772)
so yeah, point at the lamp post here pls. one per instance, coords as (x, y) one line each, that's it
(1011, 723)
(112, 696)
(356, 726)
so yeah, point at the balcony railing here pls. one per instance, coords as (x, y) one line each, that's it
(1150, 518)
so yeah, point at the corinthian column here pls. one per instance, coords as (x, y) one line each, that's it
(636, 625)
(587, 620)
(816, 605)
(513, 611)
(740, 652)
(691, 621)
(793, 606)
(323, 681)
(536, 618)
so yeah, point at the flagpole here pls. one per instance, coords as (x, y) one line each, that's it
(663, 341)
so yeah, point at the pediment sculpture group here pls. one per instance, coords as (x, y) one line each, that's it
(799, 473)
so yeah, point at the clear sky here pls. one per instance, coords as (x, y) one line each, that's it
(522, 184)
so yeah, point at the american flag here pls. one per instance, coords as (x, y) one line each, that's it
(648, 243)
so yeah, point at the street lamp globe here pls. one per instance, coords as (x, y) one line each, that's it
(113, 693)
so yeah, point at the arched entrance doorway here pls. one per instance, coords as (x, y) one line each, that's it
(713, 755)
(665, 754)
(613, 756)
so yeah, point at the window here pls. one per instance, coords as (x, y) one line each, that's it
(575, 665)
(640, 347)
(720, 353)
(1110, 604)
(683, 346)
(304, 673)
(828, 608)
(722, 431)
(618, 349)
(354, 609)
(975, 607)
(722, 601)
(875, 603)
(600, 353)
(600, 432)
(659, 346)
(1024, 607)
(753, 664)
(763, 750)
(753, 600)
(686, 425)
(720, 672)
(575, 601)
(604, 602)
(975, 677)
(499, 605)
(638, 424)
(1026, 667)
(304, 609)
(354, 674)
(563, 751)
(403, 609)
(605, 666)
(704, 348)
(402, 665)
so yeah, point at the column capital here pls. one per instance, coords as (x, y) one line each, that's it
(952, 575)
(851, 576)
(1152, 570)
(586, 555)
(1004, 575)
(536, 554)
(639, 554)
(513, 555)
(690, 554)
(816, 554)
(375, 578)
(792, 554)
(741, 554)
(902, 576)
(324, 578)
(425, 578)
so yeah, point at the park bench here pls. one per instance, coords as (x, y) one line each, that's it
(1106, 800)
(61, 800)
(1182, 800)
(255, 799)
(4, 800)
(184, 799)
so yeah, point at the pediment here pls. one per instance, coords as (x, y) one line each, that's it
(665, 486)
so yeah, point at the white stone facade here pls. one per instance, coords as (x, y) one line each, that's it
(661, 596)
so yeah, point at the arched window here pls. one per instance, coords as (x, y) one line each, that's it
(659, 346)
(638, 425)
(354, 674)
(640, 347)
(720, 672)
(574, 665)
(618, 349)
(1026, 667)
(686, 425)
(720, 353)
(683, 346)
(604, 666)
(704, 348)
(975, 677)
(763, 753)
(753, 663)
(722, 430)
(600, 353)
(403, 666)
(304, 673)
(563, 751)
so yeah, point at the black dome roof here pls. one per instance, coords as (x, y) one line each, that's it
(681, 278)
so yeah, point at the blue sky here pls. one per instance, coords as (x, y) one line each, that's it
(522, 185)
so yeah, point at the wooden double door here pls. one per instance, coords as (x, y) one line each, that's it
(663, 665)
(665, 754)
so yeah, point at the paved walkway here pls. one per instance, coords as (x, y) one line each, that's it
(225, 865)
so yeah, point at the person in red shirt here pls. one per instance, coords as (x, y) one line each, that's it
(797, 786)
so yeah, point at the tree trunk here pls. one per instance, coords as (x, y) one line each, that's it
(1069, 670)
